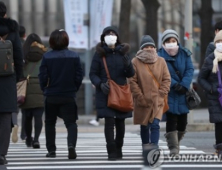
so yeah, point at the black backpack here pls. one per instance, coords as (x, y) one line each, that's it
(6, 57)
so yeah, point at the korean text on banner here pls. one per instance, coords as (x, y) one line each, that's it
(76, 12)
(100, 17)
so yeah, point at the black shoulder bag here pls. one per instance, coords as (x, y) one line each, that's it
(192, 98)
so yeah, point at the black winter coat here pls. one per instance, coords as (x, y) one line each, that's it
(209, 82)
(8, 92)
(118, 73)
(210, 49)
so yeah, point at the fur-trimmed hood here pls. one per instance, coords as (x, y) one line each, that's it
(8, 25)
(103, 49)
(35, 53)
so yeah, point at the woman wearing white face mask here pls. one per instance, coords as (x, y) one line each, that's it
(120, 68)
(208, 79)
(181, 70)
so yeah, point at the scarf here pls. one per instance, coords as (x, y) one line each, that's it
(147, 56)
(171, 51)
(218, 57)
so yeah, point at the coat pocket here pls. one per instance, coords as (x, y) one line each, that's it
(141, 101)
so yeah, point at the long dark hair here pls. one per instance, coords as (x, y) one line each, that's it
(30, 39)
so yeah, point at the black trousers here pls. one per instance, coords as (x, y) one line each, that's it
(218, 133)
(119, 124)
(65, 109)
(175, 122)
(29, 114)
(5, 131)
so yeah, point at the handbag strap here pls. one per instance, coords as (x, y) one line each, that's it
(175, 69)
(219, 76)
(31, 70)
(157, 83)
(106, 68)
(4, 37)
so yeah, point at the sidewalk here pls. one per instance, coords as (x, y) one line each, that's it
(200, 122)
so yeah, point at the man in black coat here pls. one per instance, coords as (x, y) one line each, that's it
(211, 47)
(8, 92)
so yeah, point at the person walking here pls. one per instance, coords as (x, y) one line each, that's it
(8, 92)
(22, 34)
(148, 96)
(181, 69)
(120, 68)
(60, 78)
(15, 114)
(33, 107)
(211, 46)
(208, 80)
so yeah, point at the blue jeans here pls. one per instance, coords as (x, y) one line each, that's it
(151, 132)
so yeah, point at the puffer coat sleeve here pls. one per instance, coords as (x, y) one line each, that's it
(209, 82)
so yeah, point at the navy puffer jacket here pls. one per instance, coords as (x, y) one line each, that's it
(209, 82)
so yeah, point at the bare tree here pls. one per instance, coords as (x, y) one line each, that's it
(151, 7)
(124, 22)
(205, 13)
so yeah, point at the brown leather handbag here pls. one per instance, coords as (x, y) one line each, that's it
(166, 106)
(120, 96)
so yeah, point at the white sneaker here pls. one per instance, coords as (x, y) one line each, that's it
(15, 134)
(94, 122)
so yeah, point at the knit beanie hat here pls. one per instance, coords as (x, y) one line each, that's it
(147, 40)
(218, 36)
(169, 34)
(108, 29)
(3, 9)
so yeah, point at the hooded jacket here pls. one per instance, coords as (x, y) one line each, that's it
(118, 73)
(183, 63)
(8, 92)
(34, 95)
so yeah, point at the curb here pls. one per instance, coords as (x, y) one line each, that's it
(200, 125)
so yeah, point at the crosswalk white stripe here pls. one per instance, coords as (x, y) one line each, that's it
(78, 167)
(91, 150)
(65, 158)
(114, 166)
(78, 162)
(78, 147)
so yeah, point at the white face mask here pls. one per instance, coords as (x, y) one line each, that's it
(110, 40)
(170, 45)
(219, 47)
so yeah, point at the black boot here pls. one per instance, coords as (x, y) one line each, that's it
(72, 152)
(218, 148)
(28, 142)
(111, 150)
(3, 160)
(119, 154)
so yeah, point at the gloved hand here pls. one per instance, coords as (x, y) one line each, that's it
(105, 87)
(179, 89)
(126, 60)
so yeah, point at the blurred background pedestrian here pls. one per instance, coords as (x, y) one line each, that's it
(33, 107)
